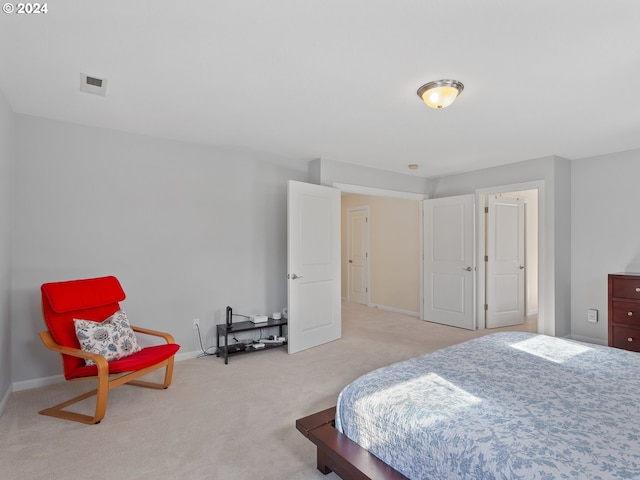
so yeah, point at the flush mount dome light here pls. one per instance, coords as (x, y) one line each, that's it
(441, 93)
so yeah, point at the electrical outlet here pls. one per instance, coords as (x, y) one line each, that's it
(196, 323)
(592, 315)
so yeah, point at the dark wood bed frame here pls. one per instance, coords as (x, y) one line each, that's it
(339, 454)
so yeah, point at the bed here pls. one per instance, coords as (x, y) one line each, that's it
(509, 405)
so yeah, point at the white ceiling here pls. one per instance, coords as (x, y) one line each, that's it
(337, 79)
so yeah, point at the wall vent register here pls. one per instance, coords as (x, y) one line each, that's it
(95, 85)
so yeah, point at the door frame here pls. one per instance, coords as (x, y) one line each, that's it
(350, 210)
(481, 193)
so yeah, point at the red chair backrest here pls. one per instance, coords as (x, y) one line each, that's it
(89, 299)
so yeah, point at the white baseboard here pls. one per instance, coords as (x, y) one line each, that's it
(395, 310)
(187, 355)
(37, 382)
(581, 338)
(44, 381)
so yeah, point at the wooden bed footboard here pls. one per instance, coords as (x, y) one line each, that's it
(340, 454)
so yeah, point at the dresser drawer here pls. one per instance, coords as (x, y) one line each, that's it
(626, 338)
(626, 288)
(626, 312)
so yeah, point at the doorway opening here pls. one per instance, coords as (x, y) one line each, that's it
(393, 280)
(509, 255)
(480, 268)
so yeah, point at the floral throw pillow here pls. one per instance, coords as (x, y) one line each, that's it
(113, 339)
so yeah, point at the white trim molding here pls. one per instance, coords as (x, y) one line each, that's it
(395, 310)
(381, 192)
(44, 381)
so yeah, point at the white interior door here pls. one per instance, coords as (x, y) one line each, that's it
(358, 255)
(449, 273)
(313, 265)
(505, 289)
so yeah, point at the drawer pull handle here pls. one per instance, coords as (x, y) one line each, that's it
(638, 289)
(630, 339)
(630, 314)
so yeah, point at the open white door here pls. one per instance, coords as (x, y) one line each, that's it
(505, 295)
(449, 273)
(313, 259)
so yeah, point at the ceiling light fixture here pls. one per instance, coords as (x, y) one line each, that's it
(441, 93)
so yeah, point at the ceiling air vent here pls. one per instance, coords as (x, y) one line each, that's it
(94, 85)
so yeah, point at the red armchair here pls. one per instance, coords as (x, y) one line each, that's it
(96, 299)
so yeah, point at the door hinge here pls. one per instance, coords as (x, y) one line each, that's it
(366, 255)
(486, 209)
(366, 290)
(486, 306)
(486, 258)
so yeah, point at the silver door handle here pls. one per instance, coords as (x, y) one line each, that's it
(468, 269)
(521, 267)
(350, 261)
(293, 276)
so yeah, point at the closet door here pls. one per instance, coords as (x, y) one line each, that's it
(449, 266)
(505, 295)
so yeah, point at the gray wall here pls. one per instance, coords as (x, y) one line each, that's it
(187, 229)
(6, 187)
(605, 233)
(190, 229)
(555, 273)
(327, 172)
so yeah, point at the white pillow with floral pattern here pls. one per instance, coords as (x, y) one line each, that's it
(113, 339)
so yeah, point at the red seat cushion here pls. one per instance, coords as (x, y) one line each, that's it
(146, 357)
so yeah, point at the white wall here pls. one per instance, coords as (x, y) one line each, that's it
(605, 233)
(6, 188)
(187, 229)
(555, 215)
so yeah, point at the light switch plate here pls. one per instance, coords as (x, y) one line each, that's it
(592, 315)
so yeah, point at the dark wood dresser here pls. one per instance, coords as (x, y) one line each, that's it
(624, 311)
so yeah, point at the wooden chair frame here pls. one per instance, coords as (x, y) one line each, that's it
(106, 381)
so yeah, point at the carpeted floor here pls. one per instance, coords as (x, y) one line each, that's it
(216, 421)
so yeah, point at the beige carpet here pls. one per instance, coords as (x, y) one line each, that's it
(216, 421)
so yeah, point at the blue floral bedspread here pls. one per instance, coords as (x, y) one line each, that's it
(504, 406)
